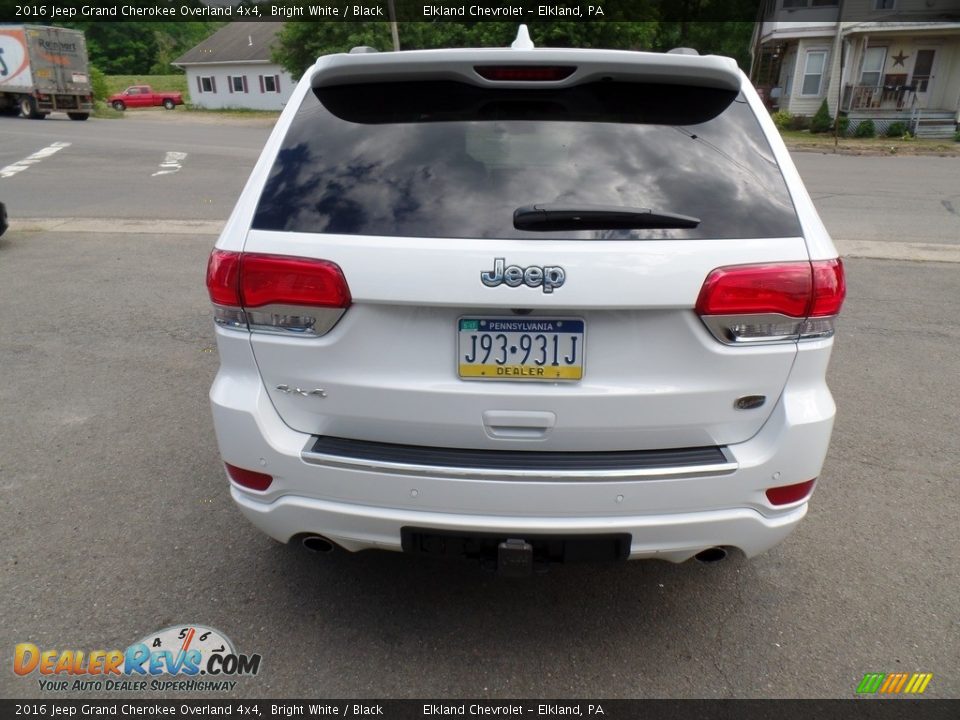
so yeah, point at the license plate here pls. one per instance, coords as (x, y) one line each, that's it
(496, 348)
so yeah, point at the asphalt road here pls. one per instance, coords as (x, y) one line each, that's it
(118, 521)
(108, 169)
(885, 199)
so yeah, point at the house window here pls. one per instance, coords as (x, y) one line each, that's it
(813, 72)
(884, 4)
(269, 83)
(823, 3)
(789, 4)
(207, 84)
(873, 60)
(237, 83)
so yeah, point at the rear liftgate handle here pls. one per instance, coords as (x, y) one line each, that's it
(518, 424)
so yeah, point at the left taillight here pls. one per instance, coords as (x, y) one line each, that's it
(276, 293)
(773, 302)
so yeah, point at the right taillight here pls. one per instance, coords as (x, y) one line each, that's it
(276, 293)
(772, 302)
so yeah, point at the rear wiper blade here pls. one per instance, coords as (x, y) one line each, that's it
(543, 217)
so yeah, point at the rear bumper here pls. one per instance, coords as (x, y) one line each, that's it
(675, 537)
(672, 516)
(63, 103)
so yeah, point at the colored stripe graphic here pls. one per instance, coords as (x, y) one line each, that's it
(919, 682)
(890, 683)
(871, 682)
(894, 683)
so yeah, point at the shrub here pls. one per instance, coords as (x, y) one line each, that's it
(102, 110)
(956, 137)
(897, 129)
(865, 129)
(782, 119)
(799, 122)
(98, 83)
(822, 122)
(843, 126)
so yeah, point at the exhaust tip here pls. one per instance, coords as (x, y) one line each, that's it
(318, 544)
(711, 555)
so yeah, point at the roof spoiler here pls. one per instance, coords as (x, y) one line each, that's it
(710, 71)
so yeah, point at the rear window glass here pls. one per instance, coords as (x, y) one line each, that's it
(447, 159)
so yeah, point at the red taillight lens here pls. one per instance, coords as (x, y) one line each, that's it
(248, 478)
(223, 278)
(786, 494)
(783, 288)
(516, 73)
(829, 287)
(284, 280)
(772, 302)
(276, 293)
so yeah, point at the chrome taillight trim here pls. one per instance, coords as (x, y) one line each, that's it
(788, 329)
(294, 319)
(287, 320)
(230, 318)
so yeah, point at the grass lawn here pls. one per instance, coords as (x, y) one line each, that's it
(802, 140)
(235, 112)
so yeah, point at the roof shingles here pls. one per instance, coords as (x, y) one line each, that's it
(236, 42)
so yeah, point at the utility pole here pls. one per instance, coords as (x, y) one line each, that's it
(391, 10)
(838, 49)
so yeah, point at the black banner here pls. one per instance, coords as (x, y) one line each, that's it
(892, 709)
(53, 11)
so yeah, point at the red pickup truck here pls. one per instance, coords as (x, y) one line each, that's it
(144, 96)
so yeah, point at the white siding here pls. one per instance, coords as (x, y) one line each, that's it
(949, 78)
(254, 98)
(800, 104)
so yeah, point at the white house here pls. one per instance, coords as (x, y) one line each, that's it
(232, 69)
(883, 60)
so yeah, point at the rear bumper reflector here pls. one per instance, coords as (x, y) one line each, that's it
(786, 494)
(250, 479)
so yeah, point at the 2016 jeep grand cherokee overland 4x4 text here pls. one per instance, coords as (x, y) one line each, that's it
(526, 305)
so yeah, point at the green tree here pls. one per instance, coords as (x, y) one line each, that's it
(140, 48)
(173, 39)
(730, 38)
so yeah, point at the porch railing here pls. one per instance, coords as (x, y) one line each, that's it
(879, 97)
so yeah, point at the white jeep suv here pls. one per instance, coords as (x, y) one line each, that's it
(526, 306)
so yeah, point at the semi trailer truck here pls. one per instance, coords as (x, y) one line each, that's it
(44, 70)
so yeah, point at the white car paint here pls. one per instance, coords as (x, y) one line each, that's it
(668, 384)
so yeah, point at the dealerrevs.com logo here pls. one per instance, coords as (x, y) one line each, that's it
(185, 657)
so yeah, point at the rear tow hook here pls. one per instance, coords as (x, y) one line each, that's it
(515, 558)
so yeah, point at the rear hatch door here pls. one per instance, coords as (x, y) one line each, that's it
(411, 185)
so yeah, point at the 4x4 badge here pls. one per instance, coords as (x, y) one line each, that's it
(549, 276)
